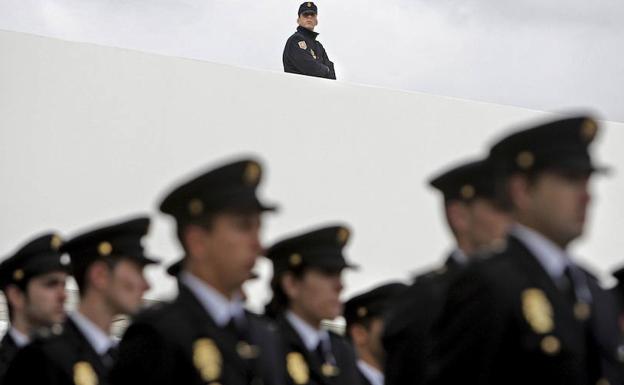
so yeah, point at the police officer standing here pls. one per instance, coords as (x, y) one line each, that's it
(306, 287)
(478, 224)
(303, 54)
(205, 335)
(364, 314)
(107, 264)
(33, 282)
(530, 314)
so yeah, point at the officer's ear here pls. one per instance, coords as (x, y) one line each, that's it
(98, 275)
(290, 284)
(519, 190)
(457, 216)
(15, 297)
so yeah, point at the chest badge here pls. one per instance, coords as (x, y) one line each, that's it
(312, 52)
(207, 359)
(537, 310)
(84, 374)
(302, 44)
(297, 368)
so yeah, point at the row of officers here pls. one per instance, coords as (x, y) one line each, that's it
(508, 306)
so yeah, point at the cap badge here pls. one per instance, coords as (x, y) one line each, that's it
(550, 345)
(362, 312)
(105, 249)
(18, 274)
(207, 359)
(297, 368)
(467, 191)
(343, 235)
(537, 310)
(589, 129)
(84, 374)
(252, 173)
(303, 45)
(330, 370)
(525, 160)
(195, 207)
(56, 242)
(295, 259)
(309, 5)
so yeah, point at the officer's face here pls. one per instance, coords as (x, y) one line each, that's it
(227, 251)
(126, 286)
(367, 340)
(308, 20)
(45, 299)
(316, 295)
(555, 204)
(487, 225)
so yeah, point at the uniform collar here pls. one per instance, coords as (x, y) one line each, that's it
(99, 340)
(460, 257)
(19, 338)
(311, 337)
(307, 32)
(552, 257)
(221, 309)
(373, 375)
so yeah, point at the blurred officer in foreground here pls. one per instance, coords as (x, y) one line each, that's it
(364, 316)
(303, 54)
(478, 224)
(306, 290)
(205, 335)
(33, 282)
(107, 264)
(530, 314)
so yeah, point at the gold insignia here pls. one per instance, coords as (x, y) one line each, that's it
(312, 52)
(303, 45)
(467, 191)
(362, 312)
(56, 242)
(295, 259)
(582, 311)
(343, 235)
(18, 274)
(195, 207)
(550, 345)
(603, 381)
(105, 249)
(247, 351)
(252, 173)
(589, 129)
(525, 160)
(330, 370)
(537, 310)
(84, 374)
(207, 359)
(297, 368)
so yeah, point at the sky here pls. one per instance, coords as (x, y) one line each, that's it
(549, 56)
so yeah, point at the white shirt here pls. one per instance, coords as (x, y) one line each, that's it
(221, 309)
(552, 257)
(373, 375)
(19, 338)
(99, 340)
(311, 336)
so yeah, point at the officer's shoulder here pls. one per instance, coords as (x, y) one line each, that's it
(261, 321)
(160, 316)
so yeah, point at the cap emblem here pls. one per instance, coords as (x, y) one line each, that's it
(343, 235)
(56, 242)
(295, 260)
(195, 207)
(467, 191)
(309, 5)
(18, 274)
(105, 249)
(589, 129)
(362, 312)
(525, 160)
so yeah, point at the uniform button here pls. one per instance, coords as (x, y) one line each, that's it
(603, 381)
(551, 345)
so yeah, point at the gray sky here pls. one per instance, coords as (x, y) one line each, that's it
(550, 56)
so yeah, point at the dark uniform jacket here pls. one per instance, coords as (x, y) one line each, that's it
(67, 358)
(408, 325)
(8, 350)
(363, 379)
(506, 322)
(304, 55)
(180, 343)
(310, 371)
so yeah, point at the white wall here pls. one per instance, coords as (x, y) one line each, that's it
(90, 133)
